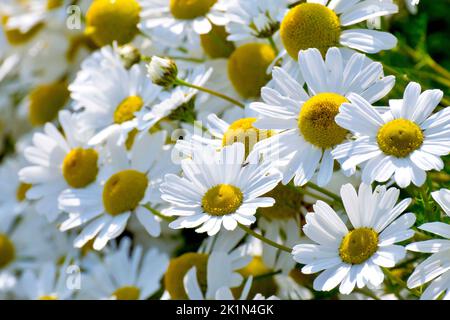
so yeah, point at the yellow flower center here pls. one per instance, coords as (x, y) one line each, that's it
(215, 43)
(16, 37)
(243, 131)
(127, 293)
(123, 191)
(7, 251)
(287, 204)
(247, 68)
(21, 192)
(53, 4)
(399, 138)
(358, 245)
(310, 25)
(265, 285)
(190, 9)
(126, 109)
(316, 120)
(80, 167)
(46, 101)
(222, 199)
(112, 20)
(179, 267)
(48, 297)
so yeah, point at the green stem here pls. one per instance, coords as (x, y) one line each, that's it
(264, 239)
(303, 191)
(274, 45)
(325, 192)
(212, 92)
(400, 282)
(367, 293)
(267, 275)
(159, 214)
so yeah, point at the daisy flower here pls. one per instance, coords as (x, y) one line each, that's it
(306, 117)
(183, 19)
(126, 184)
(250, 19)
(58, 160)
(48, 282)
(199, 275)
(174, 99)
(404, 142)
(217, 189)
(129, 273)
(436, 267)
(354, 257)
(108, 95)
(323, 24)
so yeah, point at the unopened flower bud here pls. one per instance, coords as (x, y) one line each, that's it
(129, 55)
(163, 72)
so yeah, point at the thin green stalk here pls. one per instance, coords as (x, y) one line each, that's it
(400, 282)
(212, 92)
(367, 293)
(274, 45)
(325, 192)
(264, 239)
(159, 214)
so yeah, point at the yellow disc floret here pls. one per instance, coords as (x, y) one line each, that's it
(21, 191)
(265, 286)
(80, 167)
(247, 68)
(215, 43)
(126, 109)
(287, 204)
(53, 4)
(358, 245)
(310, 25)
(190, 9)
(243, 131)
(112, 20)
(16, 37)
(7, 251)
(127, 293)
(46, 101)
(399, 137)
(123, 191)
(316, 120)
(179, 267)
(222, 199)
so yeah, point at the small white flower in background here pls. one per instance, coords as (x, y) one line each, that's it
(306, 117)
(436, 268)
(218, 189)
(162, 72)
(126, 273)
(404, 142)
(354, 257)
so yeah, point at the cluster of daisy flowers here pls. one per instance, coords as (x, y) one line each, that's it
(216, 149)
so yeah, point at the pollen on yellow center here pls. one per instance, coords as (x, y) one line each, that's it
(49, 297)
(16, 37)
(190, 9)
(287, 204)
(179, 267)
(127, 293)
(123, 191)
(80, 167)
(247, 68)
(215, 43)
(7, 251)
(21, 191)
(126, 109)
(310, 25)
(265, 286)
(243, 131)
(112, 20)
(316, 120)
(45, 102)
(400, 137)
(358, 245)
(222, 199)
